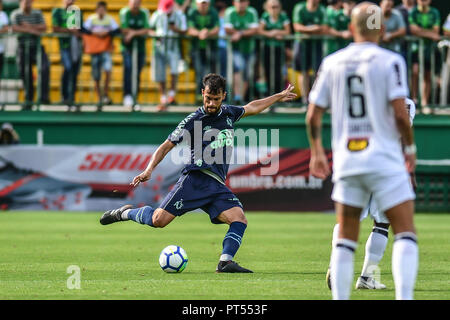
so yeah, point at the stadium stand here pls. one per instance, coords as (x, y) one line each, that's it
(186, 87)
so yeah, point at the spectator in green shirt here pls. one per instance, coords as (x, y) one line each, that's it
(183, 5)
(309, 19)
(274, 25)
(134, 23)
(203, 25)
(347, 8)
(425, 22)
(336, 22)
(31, 25)
(241, 24)
(68, 21)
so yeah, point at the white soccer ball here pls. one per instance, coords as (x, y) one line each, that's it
(173, 259)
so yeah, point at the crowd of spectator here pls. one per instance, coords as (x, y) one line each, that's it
(256, 41)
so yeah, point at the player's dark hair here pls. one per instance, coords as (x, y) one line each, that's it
(215, 83)
(102, 4)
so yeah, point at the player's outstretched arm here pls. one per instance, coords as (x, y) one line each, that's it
(318, 165)
(258, 106)
(157, 157)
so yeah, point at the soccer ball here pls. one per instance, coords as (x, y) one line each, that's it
(173, 259)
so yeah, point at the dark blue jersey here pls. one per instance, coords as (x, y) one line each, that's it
(210, 137)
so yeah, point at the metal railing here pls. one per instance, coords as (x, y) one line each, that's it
(269, 68)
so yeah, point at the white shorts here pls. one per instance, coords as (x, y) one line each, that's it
(388, 190)
(372, 210)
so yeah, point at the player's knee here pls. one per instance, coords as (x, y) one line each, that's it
(158, 220)
(240, 218)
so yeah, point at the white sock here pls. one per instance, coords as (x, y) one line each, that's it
(335, 238)
(375, 247)
(342, 266)
(405, 261)
(226, 257)
(125, 215)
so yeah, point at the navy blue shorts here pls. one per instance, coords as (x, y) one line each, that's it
(196, 190)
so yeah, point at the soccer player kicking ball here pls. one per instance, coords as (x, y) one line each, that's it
(202, 183)
(366, 87)
(378, 238)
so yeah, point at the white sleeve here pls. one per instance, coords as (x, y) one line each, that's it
(446, 25)
(183, 21)
(411, 107)
(4, 19)
(397, 83)
(113, 24)
(88, 24)
(152, 20)
(320, 92)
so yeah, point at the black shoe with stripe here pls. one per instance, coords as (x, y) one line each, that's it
(230, 267)
(115, 215)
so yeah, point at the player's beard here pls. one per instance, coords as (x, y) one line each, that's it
(212, 110)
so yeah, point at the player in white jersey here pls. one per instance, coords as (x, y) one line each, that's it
(366, 87)
(378, 238)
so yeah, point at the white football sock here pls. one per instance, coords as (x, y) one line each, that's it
(125, 215)
(375, 247)
(342, 266)
(226, 257)
(335, 238)
(405, 261)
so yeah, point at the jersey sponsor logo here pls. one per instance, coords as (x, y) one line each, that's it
(357, 144)
(224, 138)
(114, 161)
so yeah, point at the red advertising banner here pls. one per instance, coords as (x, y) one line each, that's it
(97, 178)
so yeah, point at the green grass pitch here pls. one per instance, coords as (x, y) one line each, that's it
(289, 254)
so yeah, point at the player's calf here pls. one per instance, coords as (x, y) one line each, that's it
(162, 218)
(232, 241)
(375, 247)
(342, 257)
(405, 252)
